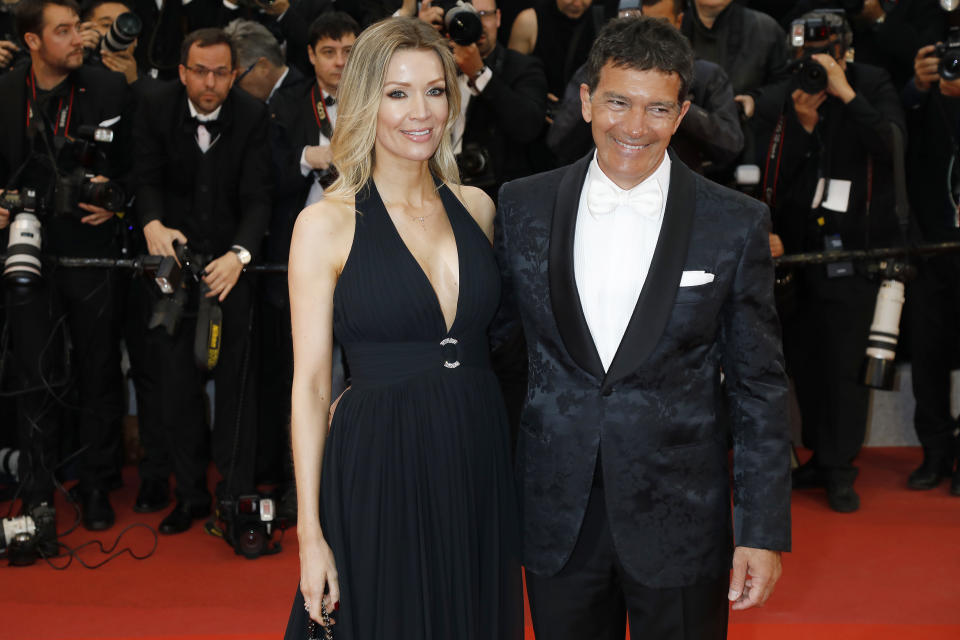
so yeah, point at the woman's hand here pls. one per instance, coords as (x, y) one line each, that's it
(318, 578)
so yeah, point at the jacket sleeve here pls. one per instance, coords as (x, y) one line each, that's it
(713, 118)
(756, 390)
(520, 104)
(256, 182)
(149, 161)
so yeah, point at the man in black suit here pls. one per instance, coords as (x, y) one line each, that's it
(637, 283)
(45, 103)
(828, 178)
(203, 177)
(503, 108)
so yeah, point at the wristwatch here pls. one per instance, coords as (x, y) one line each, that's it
(243, 255)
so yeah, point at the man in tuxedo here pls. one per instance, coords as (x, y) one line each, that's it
(638, 284)
(504, 103)
(45, 104)
(203, 178)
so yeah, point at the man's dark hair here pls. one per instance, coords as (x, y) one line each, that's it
(643, 44)
(29, 15)
(678, 5)
(333, 25)
(90, 7)
(207, 38)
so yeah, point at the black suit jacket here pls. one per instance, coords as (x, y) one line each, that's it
(168, 161)
(656, 415)
(509, 112)
(100, 96)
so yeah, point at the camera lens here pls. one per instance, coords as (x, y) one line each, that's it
(813, 77)
(123, 32)
(950, 65)
(252, 543)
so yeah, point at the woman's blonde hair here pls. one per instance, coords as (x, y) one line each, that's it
(360, 92)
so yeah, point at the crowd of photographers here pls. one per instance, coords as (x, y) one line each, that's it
(194, 131)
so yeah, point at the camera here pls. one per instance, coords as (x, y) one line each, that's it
(248, 525)
(18, 540)
(949, 54)
(461, 21)
(878, 367)
(825, 27)
(76, 187)
(476, 169)
(22, 266)
(808, 75)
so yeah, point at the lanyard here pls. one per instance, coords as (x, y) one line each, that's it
(774, 154)
(319, 107)
(64, 112)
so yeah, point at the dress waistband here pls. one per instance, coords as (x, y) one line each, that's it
(384, 363)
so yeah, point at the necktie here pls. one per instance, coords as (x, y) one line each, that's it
(645, 200)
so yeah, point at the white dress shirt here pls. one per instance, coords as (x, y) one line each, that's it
(467, 93)
(203, 136)
(612, 254)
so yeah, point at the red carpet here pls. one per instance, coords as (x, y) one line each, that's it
(891, 570)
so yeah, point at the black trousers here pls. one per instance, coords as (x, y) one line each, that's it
(824, 342)
(146, 375)
(592, 596)
(74, 307)
(232, 438)
(933, 301)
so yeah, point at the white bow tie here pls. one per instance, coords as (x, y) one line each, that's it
(602, 199)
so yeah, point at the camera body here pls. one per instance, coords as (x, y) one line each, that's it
(476, 167)
(949, 54)
(827, 28)
(461, 21)
(248, 524)
(18, 540)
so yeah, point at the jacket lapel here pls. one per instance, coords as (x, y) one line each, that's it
(567, 308)
(659, 290)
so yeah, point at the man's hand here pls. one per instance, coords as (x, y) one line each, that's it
(806, 105)
(4, 215)
(925, 66)
(7, 49)
(837, 85)
(318, 156)
(222, 274)
(276, 9)
(950, 88)
(468, 58)
(160, 238)
(98, 215)
(89, 35)
(776, 245)
(755, 573)
(122, 62)
(747, 104)
(431, 15)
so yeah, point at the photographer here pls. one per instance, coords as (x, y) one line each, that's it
(203, 177)
(99, 16)
(261, 69)
(10, 52)
(828, 180)
(503, 106)
(45, 106)
(933, 118)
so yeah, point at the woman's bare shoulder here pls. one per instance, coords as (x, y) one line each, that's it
(324, 231)
(479, 205)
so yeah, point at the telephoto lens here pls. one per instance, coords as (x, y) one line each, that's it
(123, 32)
(878, 365)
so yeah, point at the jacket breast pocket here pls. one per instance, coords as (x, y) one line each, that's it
(698, 294)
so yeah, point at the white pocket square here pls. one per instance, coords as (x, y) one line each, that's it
(695, 278)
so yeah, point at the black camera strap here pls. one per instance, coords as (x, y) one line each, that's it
(319, 108)
(774, 155)
(955, 157)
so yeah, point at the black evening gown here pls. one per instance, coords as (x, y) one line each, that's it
(417, 494)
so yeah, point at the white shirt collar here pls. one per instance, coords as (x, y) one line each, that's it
(283, 75)
(661, 175)
(213, 115)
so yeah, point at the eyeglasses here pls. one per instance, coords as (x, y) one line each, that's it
(486, 14)
(247, 70)
(220, 73)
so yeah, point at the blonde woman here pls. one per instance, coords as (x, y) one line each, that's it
(407, 514)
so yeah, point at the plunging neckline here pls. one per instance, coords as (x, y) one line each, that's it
(419, 267)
